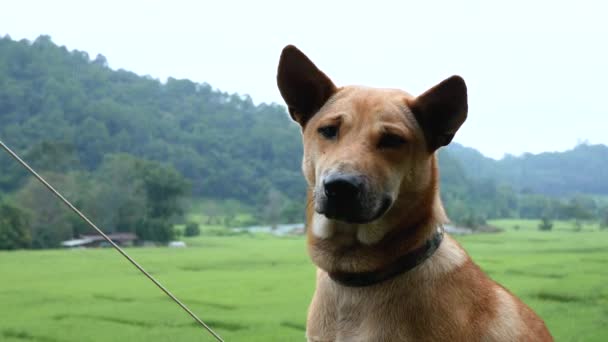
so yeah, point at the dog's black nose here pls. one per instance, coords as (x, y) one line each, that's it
(343, 186)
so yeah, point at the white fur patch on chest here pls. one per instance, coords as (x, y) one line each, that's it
(368, 234)
(321, 226)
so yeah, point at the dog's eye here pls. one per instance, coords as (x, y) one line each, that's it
(329, 132)
(391, 141)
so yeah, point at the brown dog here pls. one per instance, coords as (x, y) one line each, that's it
(386, 272)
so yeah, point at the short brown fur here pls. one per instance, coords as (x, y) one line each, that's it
(445, 298)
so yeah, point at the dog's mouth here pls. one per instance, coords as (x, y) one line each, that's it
(355, 211)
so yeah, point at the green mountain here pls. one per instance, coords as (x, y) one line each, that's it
(53, 99)
(582, 170)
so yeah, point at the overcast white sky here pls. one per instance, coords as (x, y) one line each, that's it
(537, 71)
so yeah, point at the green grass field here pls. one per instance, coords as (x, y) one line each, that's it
(257, 288)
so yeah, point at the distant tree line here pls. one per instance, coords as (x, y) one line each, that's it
(579, 170)
(471, 200)
(126, 194)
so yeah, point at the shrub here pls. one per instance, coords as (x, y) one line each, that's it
(192, 229)
(604, 218)
(545, 224)
(474, 222)
(155, 229)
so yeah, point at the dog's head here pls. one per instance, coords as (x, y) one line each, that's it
(368, 153)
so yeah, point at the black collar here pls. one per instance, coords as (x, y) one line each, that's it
(401, 265)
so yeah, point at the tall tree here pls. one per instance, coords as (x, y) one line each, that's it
(14, 232)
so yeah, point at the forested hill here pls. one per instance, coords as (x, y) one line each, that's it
(59, 100)
(66, 111)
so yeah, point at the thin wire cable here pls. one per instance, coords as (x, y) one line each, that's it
(100, 232)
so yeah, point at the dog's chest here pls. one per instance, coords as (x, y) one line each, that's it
(363, 318)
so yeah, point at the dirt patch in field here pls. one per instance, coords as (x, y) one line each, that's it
(539, 240)
(148, 324)
(489, 242)
(119, 299)
(113, 298)
(558, 297)
(571, 250)
(293, 325)
(24, 335)
(597, 260)
(117, 320)
(222, 325)
(209, 304)
(234, 265)
(535, 274)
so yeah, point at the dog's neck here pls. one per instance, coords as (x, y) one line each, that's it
(395, 268)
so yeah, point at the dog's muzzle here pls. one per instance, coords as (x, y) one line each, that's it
(347, 197)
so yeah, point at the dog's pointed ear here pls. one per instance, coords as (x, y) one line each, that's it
(441, 110)
(303, 86)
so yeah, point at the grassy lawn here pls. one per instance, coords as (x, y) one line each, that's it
(257, 288)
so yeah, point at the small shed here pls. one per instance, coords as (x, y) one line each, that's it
(94, 241)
